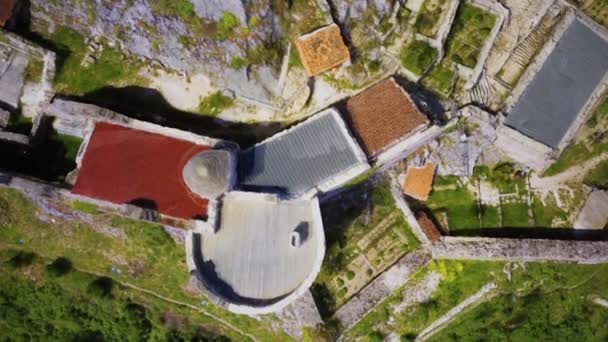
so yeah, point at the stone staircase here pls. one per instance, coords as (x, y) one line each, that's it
(529, 46)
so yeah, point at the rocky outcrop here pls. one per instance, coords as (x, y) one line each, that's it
(181, 39)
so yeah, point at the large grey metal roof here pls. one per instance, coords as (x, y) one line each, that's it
(302, 157)
(251, 259)
(550, 104)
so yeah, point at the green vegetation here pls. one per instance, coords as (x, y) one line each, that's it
(110, 68)
(459, 280)
(572, 155)
(515, 214)
(43, 301)
(430, 14)
(238, 63)
(418, 56)
(537, 301)
(598, 176)
(298, 17)
(70, 144)
(133, 252)
(469, 32)
(363, 227)
(85, 207)
(546, 214)
(489, 217)
(183, 9)
(599, 115)
(214, 104)
(591, 143)
(456, 202)
(226, 26)
(440, 79)
(598, 10)
(33, 71)
(543, 302)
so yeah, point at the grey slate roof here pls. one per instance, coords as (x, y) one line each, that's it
(550, 104)
(302, 157)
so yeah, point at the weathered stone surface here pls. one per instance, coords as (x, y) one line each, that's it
(521, 250)
(351, 312)
(594, 214)
(300, 314)
(137, 27)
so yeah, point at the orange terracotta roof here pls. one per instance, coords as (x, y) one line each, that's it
(419, 181)
(428, 227)
(382, 115)
(6, 10)
(322, 49)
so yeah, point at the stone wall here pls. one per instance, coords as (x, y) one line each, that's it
(583, 252)
(381, 287)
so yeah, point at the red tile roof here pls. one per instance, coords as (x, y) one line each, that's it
(383, 114)
(124, 165)
(6, 10)
(428, 227)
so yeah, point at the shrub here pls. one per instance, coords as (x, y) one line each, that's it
(225, 27)
(238, 63)
(22, 259)
(61, 266)
(214, 104)
(350, 274)
(101, 287)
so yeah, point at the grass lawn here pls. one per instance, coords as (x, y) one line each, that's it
(598, 177)
(544, 302)
(469, 32)
(85, 207)
(430, 14)
(458, 203)
(515, 214)
(110, 69)
(42, 301)
(144, 253)
(440, 79)
(418, 56)
(489, 217)
(362, 225)
(544, 215)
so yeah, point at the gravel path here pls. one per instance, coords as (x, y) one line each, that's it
(574, 173)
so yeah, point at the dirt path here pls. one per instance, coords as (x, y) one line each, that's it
(571, 174)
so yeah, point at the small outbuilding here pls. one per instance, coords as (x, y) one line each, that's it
(322, 50)
(418, 181)
(383, 115)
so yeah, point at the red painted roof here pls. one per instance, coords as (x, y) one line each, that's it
(6, 10)
(124, 165)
